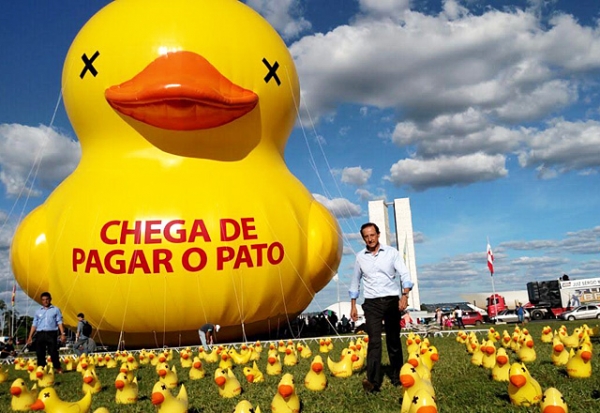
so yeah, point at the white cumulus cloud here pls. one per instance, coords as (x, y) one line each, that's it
(34, 158)
(356, 175)
(421, 174)
(340, 207)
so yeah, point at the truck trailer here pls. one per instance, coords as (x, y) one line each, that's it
(548, 299)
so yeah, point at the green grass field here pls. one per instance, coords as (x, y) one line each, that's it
(459, 385)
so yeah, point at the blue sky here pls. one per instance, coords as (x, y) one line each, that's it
(484, 113)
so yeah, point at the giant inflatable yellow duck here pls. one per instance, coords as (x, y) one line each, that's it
(183, 109)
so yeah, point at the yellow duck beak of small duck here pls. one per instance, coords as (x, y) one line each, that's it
(181, 91)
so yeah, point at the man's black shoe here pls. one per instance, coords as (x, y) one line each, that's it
(369, 387)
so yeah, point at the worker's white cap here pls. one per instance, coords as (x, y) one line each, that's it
(217, 328)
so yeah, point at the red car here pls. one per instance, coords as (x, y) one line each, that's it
(471, 318)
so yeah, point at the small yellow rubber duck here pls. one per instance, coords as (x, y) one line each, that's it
(527, 352)
(168, 377)
(415, 360)
(22, 398)
(127, 391)
(304, 350)
(579, 365)
(422, 402)
(501, 370)
(570, 341)
(506, 339)
(197, 370)
(49, 402)
(239, 358)
(128, 373)
(244, 406)
(547, 334)
(111, 362)
(91, 382)
(273, 363)
(286, 400)
(323, 347)
(291, 356)
(488, 349)
(412, 382)
(523, 390)
(560, 355)
(342, 368)
(553, 402)
(45, 376)
(165, 402)
(315, 379)
(185, 358)
(228, 384)
(253, 374)
(226, 361)
(3, 375)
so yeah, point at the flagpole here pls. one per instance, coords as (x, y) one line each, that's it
(490, 263)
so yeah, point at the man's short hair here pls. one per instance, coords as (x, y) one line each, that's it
(80, 315)
(369, 224)
(46, 294)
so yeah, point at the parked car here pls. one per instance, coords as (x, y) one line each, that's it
(510, 316)
(470, 318)
(582, 312)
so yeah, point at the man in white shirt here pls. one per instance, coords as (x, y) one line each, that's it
(383, 275)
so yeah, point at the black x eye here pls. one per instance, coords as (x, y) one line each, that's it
(89, 64)
(272, 71)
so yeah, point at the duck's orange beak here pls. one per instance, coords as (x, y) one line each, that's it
(285, 390)
(181, 91)
(157, 398)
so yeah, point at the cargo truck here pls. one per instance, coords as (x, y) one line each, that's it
(548, 299)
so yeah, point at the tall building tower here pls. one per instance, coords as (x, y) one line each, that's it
(378, 214)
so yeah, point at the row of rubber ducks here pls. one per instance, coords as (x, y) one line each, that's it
(523, 388)
(415, 376)
(351, 359)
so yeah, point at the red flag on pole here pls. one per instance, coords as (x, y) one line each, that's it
(14, 295)
(490, 259)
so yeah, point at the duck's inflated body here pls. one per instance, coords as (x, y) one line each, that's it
(183, 114)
